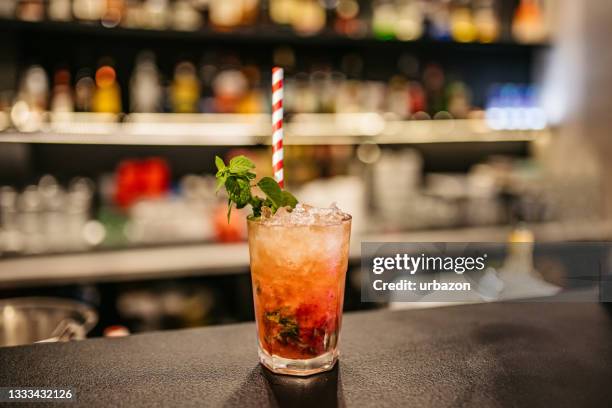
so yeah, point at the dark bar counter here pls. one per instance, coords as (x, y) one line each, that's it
(515, 354)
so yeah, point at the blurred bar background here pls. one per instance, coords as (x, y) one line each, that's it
(441, 120)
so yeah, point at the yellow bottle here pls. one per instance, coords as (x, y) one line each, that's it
(185, 92)
(107, 96)
(463, 28)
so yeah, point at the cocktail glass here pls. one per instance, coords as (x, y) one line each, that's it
(298, 274)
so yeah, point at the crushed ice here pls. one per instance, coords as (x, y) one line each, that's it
(304, 214)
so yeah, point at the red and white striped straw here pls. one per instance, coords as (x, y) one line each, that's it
(277, 125)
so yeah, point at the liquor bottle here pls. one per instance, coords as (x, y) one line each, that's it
(60, 10)
(145, 88)
(410, 24)
(518, 274)
(348, 20)
(185, 89)
(348, 97)
(31, 101)
(373, 96)
(253, 101)
(303, 99)
(325, 84)
(439, 20)
(107, 95)
(398, 96)
(83, 91)
(486, 20)
(114, 12)
(225, 14)
(463, 28)
(134, 14)
(409, 66)
(207, 73)
(418, 98)
(281, 11)
(229, 86)
(62, 99)
(185, 17)
(7, 8)
(433, 81)
(384, 19)
(155, 14)
(31, 10)
(35, 88)
(459, 100)
(308, 17)
(528, 25)
(250, 12)
(88, 10)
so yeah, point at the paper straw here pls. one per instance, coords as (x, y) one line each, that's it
(277, 125)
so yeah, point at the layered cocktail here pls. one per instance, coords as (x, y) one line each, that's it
(299, 256)
(298, 266)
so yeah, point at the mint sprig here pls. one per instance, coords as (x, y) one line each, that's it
(237, 177)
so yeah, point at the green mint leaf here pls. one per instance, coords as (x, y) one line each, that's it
(237, 177)
(289, 200)
(219, 163)
(238, 190)
(222, 173)
(272, 190)
(240, 165)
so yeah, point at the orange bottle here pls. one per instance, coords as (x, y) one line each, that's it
(528, 25)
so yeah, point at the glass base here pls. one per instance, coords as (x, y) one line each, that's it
(302, 368)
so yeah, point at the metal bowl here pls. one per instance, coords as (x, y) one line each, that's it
(37, 319)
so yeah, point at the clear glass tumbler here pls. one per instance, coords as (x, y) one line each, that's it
(298, 274)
